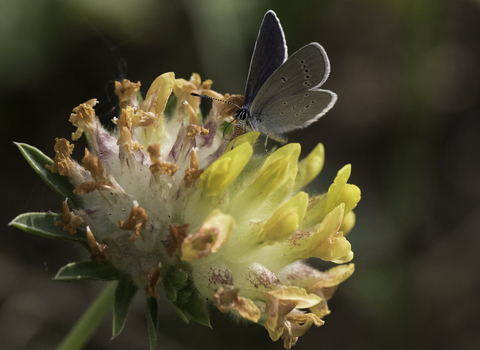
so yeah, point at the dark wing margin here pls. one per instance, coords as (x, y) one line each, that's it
(269, 53)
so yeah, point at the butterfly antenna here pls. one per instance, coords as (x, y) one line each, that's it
(216, 99)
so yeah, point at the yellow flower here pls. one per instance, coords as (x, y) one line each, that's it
(208, 222)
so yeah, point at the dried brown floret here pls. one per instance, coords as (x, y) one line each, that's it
(70, 221)
(83, 117)
(157, 166)
(125, 127)
(98, 251)
(127, 92)
(62, 163)
(192, 173)
(135, 221)
(153, 281)
(175, 240)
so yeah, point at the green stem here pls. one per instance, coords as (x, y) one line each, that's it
(89, 322)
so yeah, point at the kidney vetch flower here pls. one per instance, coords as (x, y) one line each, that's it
(165, 200)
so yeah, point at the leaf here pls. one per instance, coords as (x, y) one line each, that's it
(43, 224)
(124, 295)
(88, 270)
(60, 184)
(152, 321)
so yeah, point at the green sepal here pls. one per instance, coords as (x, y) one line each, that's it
(181, 291)
(43, 224)
(152, 321)
(60, 184)
(170, 292)
(124, 295)
(88, 270)
(181, 314)
(196, 307)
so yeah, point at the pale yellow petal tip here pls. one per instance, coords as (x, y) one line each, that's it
(221, 173)
(158, 94)
(348, 223)
(249, 137)
(334, 276)
(211, 236)
(286, 219)
(328, 228)
(299, 295)
(310, 167)
(278, 168)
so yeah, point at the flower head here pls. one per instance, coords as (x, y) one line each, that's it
(165, 200)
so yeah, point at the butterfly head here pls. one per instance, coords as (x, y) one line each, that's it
(242, 114)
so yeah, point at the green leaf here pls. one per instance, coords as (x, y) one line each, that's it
(43, 224)
(88, 270)
(152, 321)
(60, 184)
(124, 295)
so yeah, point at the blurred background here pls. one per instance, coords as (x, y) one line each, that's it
(407, 74)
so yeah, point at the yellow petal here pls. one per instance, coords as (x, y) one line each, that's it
(278, 168)
(249, 137)
(286, 219)
(336, 189)
(330, 226)
(221, 173)
(310, 167)
(350, 196)
(336, 247)
(299, 295)
(334, 276)
(158, 94)
(348, 223)
(212, 235)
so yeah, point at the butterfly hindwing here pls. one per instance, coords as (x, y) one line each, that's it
(269, 54)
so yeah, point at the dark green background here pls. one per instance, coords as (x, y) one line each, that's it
(407, 73)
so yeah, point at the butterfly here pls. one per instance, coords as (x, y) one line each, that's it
(283, 93)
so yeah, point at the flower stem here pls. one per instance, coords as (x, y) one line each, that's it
(89, 322)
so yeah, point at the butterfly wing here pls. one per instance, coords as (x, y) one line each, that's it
(291, 98)
(269, 53)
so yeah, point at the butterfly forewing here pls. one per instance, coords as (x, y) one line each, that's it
(269, 54)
